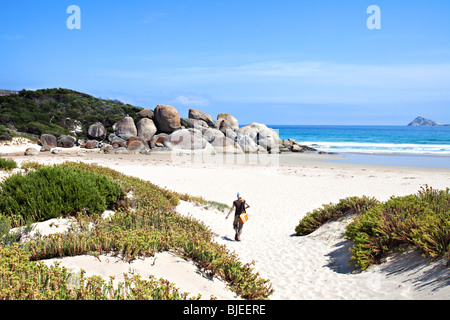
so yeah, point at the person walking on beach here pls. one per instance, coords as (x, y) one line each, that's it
(239, 206)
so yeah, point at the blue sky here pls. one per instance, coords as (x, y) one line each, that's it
(275, 62)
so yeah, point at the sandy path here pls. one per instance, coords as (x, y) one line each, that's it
(298, 267)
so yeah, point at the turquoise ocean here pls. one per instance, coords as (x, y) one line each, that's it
(414, 146)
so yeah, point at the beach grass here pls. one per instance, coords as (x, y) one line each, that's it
(207, 204)
(141, 227)
(421, 221)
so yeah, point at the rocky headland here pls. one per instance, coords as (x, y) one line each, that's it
(63, 118)
(162, 129)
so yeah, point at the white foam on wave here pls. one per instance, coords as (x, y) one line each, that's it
(388, 148)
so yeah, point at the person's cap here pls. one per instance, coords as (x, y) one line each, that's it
(238, 194)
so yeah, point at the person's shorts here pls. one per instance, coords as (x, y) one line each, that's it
(237, 224)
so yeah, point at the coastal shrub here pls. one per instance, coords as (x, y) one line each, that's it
(52, 191)
(4, 226)
(421, 221)
(146, 193)
(332, 212)
(38, 128)
(4, 132)
(55, 111)
(7, 133)
(152, 226)
(7, 164)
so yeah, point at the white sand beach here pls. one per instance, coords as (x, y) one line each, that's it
(310, 267)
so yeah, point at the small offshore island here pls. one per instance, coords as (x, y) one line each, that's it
(423, 122)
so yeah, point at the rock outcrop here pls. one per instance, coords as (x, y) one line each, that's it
(164, 130)
(211, 134)
(290, 145)
(194, 123)
(146, 129)
(266, 137)
(199, 115)
(167, 119)
(31, 152)
(226, 121)
(158, 140)
(185, 139)
(48, 141)
(224, 144)
(90, 144)
(125, 128)
(136, 145)
(117, 142)
(66, 141)
(97, 131)
(146, 113)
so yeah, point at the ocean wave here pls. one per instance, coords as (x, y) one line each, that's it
(387, 148)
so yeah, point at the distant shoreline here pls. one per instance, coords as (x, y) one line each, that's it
(434, 162)
(310, 159)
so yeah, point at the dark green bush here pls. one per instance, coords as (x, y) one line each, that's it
(7, 164)
(38, 128)
(54, 111)
(52, 191)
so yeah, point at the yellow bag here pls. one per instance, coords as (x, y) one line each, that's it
(243, 217)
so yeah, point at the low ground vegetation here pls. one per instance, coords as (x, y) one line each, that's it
(142, 226)
(7, 164)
